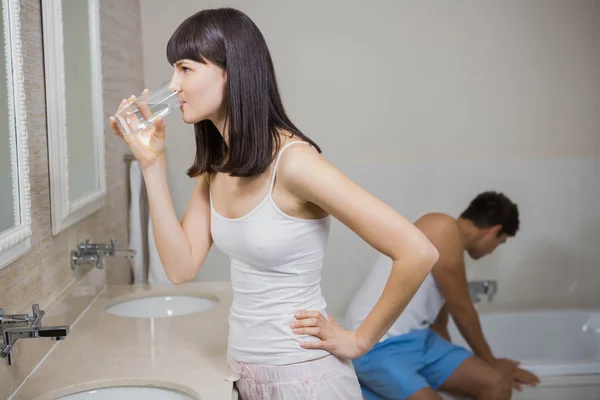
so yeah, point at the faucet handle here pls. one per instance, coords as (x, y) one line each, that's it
(36, 315)
(84, 246)
(78, 258)
(113, 243)
(486, 285)
(491, 288)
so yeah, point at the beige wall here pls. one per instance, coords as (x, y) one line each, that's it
(41, 275)
(432, 102)
(429, 79)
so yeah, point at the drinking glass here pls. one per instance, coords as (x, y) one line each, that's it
(158, 102)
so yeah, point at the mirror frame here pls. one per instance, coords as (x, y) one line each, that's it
(16, 241)
(65, 211)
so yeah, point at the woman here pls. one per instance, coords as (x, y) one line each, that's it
(264, 195)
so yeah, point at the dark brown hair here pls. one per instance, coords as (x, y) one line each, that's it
(492, 208)
(255, 114)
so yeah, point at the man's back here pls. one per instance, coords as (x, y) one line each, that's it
(420, 312)
(427, 301)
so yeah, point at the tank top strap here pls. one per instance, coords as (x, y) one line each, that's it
(277, 162)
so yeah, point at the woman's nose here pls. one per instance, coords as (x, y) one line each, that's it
(174, 86)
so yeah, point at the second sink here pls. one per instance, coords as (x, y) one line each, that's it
(161, 306)
(126, 393)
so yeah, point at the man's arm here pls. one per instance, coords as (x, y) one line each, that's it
(440, 325)
(452, 280)
(450, 275)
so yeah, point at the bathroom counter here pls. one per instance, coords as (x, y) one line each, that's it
(186, 352)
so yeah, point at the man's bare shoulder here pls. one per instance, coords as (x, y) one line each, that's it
(443, 231)
(438, 221)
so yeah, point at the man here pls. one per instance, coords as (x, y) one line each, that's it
(415, 358)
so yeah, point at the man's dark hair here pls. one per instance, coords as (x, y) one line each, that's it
(492, 208)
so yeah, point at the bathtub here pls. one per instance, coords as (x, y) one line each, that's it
(562, 347)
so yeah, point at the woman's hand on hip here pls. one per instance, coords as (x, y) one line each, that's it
(333, 337)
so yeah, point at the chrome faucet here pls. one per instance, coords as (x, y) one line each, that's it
(25, 326)
(93, 253)
(487, 287)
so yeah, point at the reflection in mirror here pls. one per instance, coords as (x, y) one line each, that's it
(74, 108)
(9, 205)
(15, 213)
(82, 154)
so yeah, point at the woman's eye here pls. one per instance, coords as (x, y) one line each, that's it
(185, 69)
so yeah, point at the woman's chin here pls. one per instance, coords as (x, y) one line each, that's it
(193, 116)
(190, 120)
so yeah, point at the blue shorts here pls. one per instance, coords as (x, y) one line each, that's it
(401, 365)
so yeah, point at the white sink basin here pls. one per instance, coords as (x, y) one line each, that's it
(128, 393)
(161, 306)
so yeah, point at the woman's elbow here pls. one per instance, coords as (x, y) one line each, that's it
(428, 253)
(421, 254)
(433, 254)
(176, 280)
(179, 278)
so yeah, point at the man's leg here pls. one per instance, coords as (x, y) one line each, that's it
(476, 378)
(423, 394)
(456, 370)
(389, 380)
(390, 370)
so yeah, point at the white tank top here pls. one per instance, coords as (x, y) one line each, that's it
(276, 262)
(421, 311)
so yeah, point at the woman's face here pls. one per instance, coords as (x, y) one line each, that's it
(201, 90)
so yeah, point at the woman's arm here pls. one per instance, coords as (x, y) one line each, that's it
(305, 174)
(182, 247)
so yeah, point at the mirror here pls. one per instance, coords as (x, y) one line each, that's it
(74, 109)
(15, 211)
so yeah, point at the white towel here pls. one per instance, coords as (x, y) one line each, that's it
(138, 222)
(146, 266)
(156, 272)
